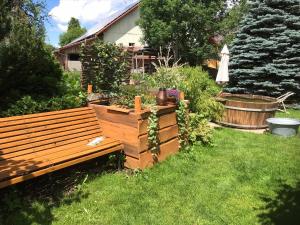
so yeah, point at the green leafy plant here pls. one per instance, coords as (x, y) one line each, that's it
(153, 132)
(198, 87)
(125, 96)
(104, 65)
(71, 96)
(201, 91)
(183, 126)
(193, 128)
(200, 132)
(27, 65)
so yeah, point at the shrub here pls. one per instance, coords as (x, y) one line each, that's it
(70, 83)
(193, 128)
(198, 87)
(201, 91)
(105, 65)
(26, 63)
(125, 96)
(199, 130)
(29, 105)
(71, 96)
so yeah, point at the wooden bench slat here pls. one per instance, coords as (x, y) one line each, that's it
(43, 123)
(87, 138)
(39, 120)
(52, 159)
(48, 141)
(40, 172)
(36, 155)
(50, 136)
(46, 127)
(41, 133)
(37, 160)
(45, 114)
(33, 154)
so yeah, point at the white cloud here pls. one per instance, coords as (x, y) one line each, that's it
(62, 27)
(87, 11)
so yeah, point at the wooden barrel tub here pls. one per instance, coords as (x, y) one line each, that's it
(247, 111)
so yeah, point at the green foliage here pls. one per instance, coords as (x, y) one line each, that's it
(183, 124)
(265, 54)
(74, 31)
(27, 66)
(193, 128)
(201, 90)
(125, 96)
(71, 96)
(199, 130)
(167, 77)
(183, 25)
(231, 20)
(105, 65)
(198, 87)
(153, 131)
(70, 83)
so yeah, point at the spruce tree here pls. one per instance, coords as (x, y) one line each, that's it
(265, 56)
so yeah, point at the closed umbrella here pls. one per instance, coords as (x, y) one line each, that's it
(223, 76)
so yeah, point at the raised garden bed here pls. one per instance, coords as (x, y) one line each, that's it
(131, 127)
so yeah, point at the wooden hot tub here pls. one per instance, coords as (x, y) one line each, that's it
(247, 111)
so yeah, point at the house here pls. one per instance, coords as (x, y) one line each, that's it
(120, 28)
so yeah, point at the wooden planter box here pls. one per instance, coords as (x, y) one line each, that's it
(130, 127)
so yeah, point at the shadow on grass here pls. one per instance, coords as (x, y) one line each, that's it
(284, 208)
(32, 201)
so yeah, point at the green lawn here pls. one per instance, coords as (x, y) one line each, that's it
(244, 178)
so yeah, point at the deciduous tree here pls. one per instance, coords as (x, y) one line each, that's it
(185, 25)
(26, 66)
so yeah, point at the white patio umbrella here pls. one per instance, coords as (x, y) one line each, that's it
(223, 76)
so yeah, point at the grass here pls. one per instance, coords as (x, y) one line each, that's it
(292, 113)
(244, 178)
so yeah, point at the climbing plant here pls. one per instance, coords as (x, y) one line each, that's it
(104, 65)
(153, 132)
(182, 120)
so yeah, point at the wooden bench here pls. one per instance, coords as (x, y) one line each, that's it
(33, 145)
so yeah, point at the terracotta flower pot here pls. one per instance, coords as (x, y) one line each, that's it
(161, 97)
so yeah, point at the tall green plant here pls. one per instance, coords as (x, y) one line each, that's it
(265, 54)
(201, 90)
(27, 67)
(105, 65)
(184, 25)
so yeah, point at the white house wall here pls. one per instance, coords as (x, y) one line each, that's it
(74, 65)
(125, 31)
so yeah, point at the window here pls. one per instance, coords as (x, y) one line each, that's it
(73, 57)
(131, 44)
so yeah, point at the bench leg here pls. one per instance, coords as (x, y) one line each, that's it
(120, 160)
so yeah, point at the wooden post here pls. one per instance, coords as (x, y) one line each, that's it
(138, 104)
(181, 96)
(90, 88)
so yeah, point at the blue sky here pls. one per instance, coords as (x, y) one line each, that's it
(89, 13)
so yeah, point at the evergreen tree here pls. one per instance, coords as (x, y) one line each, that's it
(74, 31)
(265, 56)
